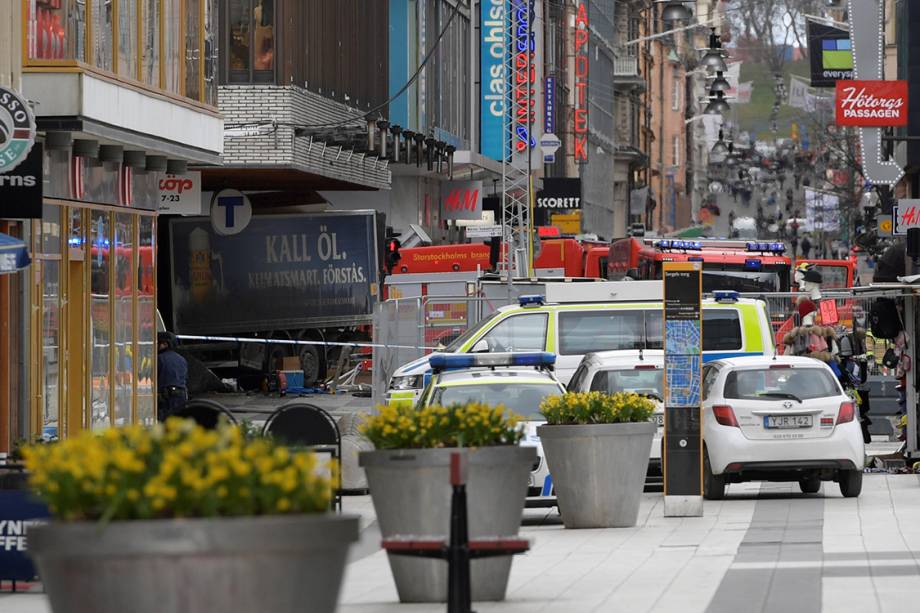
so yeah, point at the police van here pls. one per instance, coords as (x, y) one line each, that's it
(572, 320)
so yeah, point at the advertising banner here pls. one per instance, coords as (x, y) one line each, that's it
(683, 360)
(461, 200)
(282, 271)
(830, 54)
(492, 55)
(872, 103)
(19, 511)
(21, 187)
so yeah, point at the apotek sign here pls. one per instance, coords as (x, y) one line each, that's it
(580, 127)
(872, 103)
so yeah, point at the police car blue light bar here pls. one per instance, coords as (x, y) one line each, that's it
(457, 361)
(725, 296)
(531, 300)
(766, 247)
(679, 244)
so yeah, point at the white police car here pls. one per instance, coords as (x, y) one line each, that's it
(518, 381)
(639, 371)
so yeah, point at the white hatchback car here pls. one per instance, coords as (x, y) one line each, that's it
(628, 370)
(778, 419)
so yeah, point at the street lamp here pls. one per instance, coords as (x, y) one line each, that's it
(674, 11)
(720, 148)
(717, 105)
(713, 58)
(720, 84)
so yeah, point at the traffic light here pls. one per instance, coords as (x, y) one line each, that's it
(392, 255)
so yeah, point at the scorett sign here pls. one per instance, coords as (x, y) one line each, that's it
(559, 194)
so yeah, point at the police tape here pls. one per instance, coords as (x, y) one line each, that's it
(284, 341)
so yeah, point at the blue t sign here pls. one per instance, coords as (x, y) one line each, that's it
(229, 203)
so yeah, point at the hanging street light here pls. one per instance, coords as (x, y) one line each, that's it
(720, 84)
(675, 12)
(717, 105)
(714, 56)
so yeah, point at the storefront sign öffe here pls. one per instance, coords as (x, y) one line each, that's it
(21, 189)
(17, 129)
(872, 103)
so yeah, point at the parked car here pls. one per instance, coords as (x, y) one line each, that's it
(639, 371)
(778, 419)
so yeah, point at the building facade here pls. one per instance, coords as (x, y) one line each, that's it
(122, 92)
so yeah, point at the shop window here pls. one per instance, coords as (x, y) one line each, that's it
(172, 46)
(51, 345)
(193, 49)
(151, 43)
(51, 230)
(210, 52)
(103, 52)
(251, 32)
(146, 321)
(127, 38)
(124, 317)
(57, 29)
(100, 236)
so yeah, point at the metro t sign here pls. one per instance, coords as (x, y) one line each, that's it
(872, 103)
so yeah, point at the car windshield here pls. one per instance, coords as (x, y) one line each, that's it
(640, 381)
(780, 383)
(458, 342)
(521, 398)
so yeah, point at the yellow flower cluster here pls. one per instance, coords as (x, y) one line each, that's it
(596, 408)
(176, 470)
(401, 426)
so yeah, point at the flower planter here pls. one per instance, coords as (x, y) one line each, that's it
(598, 471)
(270, 564)
(411, 492)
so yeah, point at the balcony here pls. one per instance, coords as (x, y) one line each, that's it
(626, 73)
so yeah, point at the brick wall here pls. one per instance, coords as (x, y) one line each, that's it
(292, 106)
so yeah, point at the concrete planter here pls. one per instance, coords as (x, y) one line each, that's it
(411, 493)
(598, 471)
(272, 564)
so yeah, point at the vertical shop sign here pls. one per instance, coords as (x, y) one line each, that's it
(549, 105)
(525, 75)
(580, 128)
(683, 357)
(492, 54)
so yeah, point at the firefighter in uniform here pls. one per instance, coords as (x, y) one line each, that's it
(172, 377)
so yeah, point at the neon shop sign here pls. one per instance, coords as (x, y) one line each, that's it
(580, 129)
(525, 75)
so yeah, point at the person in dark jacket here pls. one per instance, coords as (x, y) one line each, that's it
(172, 377)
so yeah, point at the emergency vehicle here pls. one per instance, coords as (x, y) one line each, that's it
(572, 320)
(744, 266)
(835, 274)
(517, 381)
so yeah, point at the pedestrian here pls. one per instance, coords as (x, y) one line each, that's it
(172, 377)
(806, 247)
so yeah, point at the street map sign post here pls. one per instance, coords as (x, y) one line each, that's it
(682, 458)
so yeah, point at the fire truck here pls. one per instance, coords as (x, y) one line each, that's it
(744, 266)
(835, 274)
(559, 257)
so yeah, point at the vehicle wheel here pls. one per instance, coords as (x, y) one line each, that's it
(713, 485)
(309, 362)
(810, 485)
(851, 483)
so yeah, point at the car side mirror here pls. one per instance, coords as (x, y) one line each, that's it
(481, 346)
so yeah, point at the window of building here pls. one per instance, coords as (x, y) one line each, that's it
(146, 321)
(173, 44)
(124, 320)
(151, 43)
(100, 235)
(127, 38)
(102, 34)
(675, 150)
(251, 41)
(57, 29)
(210, 52)
(676, 86)
(193, 49)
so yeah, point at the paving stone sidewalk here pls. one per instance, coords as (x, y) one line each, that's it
(766, 548)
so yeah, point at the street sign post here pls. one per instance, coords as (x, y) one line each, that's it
(682, 449)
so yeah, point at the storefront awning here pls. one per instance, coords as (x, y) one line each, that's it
(14, 255)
